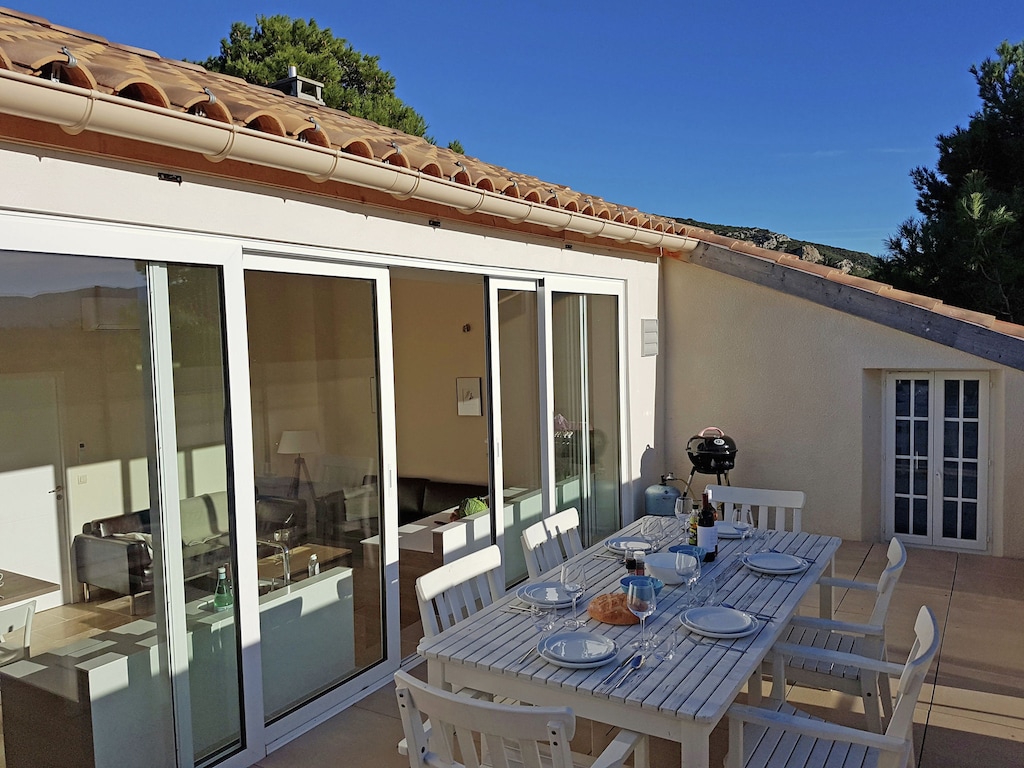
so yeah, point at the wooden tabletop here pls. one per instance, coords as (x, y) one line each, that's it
(681, 699)
(18, 587)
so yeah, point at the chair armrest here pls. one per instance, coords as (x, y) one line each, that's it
(833, 581)
(837, 657)
(814, 728)
(622, 746)
(846, 627)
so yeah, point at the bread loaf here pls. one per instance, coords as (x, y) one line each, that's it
(611, 609)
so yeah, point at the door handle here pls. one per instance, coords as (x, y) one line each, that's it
(59, 490)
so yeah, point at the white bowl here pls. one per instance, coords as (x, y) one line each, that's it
(662, 565)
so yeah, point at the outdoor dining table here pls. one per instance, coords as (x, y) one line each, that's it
(680, 699)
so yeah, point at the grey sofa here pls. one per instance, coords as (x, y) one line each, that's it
(115, 553)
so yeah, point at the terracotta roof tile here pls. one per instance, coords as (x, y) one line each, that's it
(32, 46)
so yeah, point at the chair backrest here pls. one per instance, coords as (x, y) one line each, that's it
(506, 734)
(926, 643)
(550, 542)
(16, 620)
(897, 558)
(459, 589)
(777, 510)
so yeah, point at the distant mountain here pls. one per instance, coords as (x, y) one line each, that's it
(855, 262)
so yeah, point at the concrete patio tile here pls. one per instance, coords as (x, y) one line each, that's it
(353, 737)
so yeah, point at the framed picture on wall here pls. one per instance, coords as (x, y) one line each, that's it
(468, 396)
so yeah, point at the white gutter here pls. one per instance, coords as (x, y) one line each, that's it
(78, 109)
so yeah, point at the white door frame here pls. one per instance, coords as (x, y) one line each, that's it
(333, 701)
(935, 491)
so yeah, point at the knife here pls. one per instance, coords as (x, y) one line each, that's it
(618, 668)
(634, 664)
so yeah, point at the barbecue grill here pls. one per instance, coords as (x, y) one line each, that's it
(712, 452)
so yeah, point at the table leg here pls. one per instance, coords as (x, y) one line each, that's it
(825, 602)
(696, 750)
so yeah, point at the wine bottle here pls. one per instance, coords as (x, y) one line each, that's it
(707, 534)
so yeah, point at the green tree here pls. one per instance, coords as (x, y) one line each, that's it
(968, 249)
(353, 81)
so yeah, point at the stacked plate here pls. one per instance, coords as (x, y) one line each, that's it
(775, 563)
(620, 544)
(730, 530)
(549, 594)
(716, 621)
(578, 650)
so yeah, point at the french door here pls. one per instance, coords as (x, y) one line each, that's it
(936, 458)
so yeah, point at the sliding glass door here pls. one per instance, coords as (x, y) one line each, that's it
(584, 397)
(315, 348)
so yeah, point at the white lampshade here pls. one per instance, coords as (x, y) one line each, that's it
(298, 441)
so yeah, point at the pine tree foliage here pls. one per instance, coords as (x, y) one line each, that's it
(353, 81)
(968, 249)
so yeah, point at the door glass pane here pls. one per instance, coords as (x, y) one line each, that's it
(206, 510)
(903, 397)
(971, 398)
(586, 376)
(951, 403)
(520, 421)
(951, 439)
(316, 443)
(921, 398)
(76, 453)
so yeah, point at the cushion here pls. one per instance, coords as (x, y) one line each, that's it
(204, 518)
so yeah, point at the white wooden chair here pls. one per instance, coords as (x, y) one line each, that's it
(16, 620)
(482, 733)
(862, 639)
(772, 510)
(459, 589)
(550, 542)
(785, 737)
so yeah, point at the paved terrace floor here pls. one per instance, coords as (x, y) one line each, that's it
(971, 711)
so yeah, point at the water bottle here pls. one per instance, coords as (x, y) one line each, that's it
(313, 569)
(222, 598)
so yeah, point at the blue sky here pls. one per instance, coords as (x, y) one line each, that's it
(801, 117)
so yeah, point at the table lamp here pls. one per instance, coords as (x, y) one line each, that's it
(299, 441)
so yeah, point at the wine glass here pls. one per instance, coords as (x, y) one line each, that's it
(683, 517)
(745, 522)
(651, 530)
(574, 582)
(641, 599)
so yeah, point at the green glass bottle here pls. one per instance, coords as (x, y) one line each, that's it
(222, 597)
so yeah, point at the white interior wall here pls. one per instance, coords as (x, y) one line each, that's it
(799, 387)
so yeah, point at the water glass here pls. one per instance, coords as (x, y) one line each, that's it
(574, 582)
(666, 648)
(682, 514)
(651, 530)
(707, 591)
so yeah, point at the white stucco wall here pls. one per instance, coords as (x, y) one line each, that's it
(101, 207)
(799, 387)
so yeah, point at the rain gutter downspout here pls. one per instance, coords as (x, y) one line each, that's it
(77, 109)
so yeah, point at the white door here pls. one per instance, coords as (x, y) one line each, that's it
(936, 458)
(31, 484)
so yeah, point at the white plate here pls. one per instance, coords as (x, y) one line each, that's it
(620, 543)
(716, 621)
(547, 593)
(776, 563)
(727, 530)
(579, 650)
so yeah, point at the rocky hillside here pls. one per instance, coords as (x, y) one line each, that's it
(855, 262)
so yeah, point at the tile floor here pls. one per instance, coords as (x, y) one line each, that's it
(971, 711)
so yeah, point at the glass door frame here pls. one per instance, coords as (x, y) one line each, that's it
(298, 262)
(548, 287)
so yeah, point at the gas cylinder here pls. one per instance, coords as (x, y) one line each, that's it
(661, 499)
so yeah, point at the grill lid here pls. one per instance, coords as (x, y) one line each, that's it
(712, 451)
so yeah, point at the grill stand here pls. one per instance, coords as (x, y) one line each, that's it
(719, 475)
